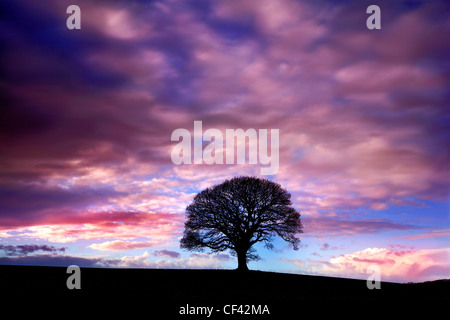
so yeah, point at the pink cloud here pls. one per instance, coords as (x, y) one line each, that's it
(117, 23)
(428, 235)
(377, 76)
(411, 35)
(102, 225)
(298, 262)
(124, 245)
(396, 266)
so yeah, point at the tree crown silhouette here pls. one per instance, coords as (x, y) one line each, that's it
(238, 213)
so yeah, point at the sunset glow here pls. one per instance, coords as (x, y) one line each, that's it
(86, 175)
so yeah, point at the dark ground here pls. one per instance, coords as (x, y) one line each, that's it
(163, 292)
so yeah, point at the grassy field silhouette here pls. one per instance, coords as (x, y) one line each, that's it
(167, 290)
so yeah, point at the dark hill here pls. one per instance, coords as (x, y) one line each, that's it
(169, 290)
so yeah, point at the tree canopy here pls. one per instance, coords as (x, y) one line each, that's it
(238, 213)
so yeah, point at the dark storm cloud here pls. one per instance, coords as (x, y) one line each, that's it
(17, 250)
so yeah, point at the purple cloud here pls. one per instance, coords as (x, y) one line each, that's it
(325, 226)
(50, 260)
(166, 253)
(17, 250)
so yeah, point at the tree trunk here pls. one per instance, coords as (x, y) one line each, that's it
(242, 261)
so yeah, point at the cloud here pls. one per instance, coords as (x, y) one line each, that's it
(50, 260)
(123, 245)
(329, 226)
(237, 59)
(395, 265)
(298, 262)
(17, 250)
(198, 261)
(166, 253)
(428, 235)
(139, 261)
(126, 261)
(194, 261)
(325, 246)
(71, 226)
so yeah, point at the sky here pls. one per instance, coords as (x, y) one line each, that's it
(86, 174)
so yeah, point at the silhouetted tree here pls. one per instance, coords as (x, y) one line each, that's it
(238, 213)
